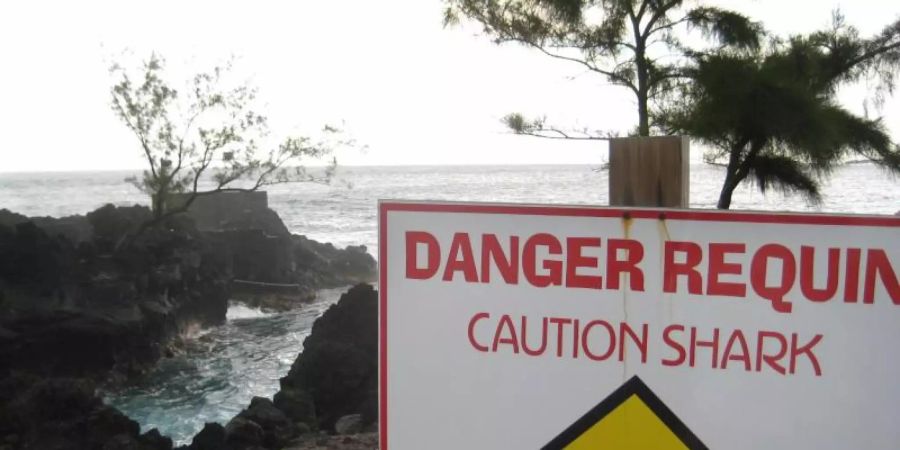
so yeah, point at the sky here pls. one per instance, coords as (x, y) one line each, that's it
(408, 90)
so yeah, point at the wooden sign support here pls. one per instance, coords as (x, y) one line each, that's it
(649, 171)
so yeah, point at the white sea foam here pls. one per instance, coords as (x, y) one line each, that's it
(240, 311)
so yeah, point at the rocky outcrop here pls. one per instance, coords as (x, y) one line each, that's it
(64, 414)
(107, 304)
(211, 437)
(87, 310)
(76, 228)
(75, 308)
(362, 441)
(278, 273)
(332, 388)
(328, 266)
(231, 211)
(88, 303)
(338, 369)
(275, 429)
(349, 424)
(337, 372)
(277, 269)
(111, 224)
(274, 269)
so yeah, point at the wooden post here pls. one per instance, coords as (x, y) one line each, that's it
(649, 171)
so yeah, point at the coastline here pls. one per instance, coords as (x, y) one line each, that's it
(77, 310)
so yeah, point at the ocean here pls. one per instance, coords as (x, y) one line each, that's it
(223, 368)
(344, 212)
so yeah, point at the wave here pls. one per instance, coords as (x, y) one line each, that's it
(237, 311)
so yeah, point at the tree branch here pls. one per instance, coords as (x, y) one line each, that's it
(659, 14)
(559, 135)
(124, 115)
(187, 129)
(612, 75)
(866, 56)
(669, 25)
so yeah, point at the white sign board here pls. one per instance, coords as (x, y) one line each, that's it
(524, 327)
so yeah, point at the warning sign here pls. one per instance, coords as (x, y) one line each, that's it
(503, 326)
(631, 418)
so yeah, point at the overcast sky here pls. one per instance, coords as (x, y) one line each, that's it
(412, 91)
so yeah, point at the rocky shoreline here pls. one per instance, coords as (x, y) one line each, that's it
(79, 309)
(330, 392)
(327, 400)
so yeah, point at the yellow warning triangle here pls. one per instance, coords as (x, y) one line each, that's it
(631, 418)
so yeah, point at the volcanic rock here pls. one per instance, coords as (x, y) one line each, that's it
(338, 368)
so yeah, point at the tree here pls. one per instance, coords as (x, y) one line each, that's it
(626, 41)
(207, 133)
(773, 116)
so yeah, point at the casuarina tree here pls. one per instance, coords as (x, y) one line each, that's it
(772, 116)
(206, 137)
(630, 43)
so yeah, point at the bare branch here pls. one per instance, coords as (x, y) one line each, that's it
(613, 76)
(538, 128)
(650, 31)
(659, 14)
(123, 114)
(561, 135)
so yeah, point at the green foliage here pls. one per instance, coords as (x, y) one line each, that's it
(772, 114)
(782, 173)
(628, 42)
(208, 131)
(518, 123)
(727, 27)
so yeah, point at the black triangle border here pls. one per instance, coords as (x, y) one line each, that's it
(634, 386)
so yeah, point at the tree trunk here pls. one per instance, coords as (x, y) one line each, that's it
(732, 180)
(159, 203)
(731, 175)
(643, 77)
(725, 196)
(642, 92)
(738, 169)
(643, 116)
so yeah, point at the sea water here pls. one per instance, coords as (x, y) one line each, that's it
(219, 370)
(344, 212)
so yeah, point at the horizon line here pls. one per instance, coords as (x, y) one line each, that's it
(413, 165)
(339, 166)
